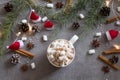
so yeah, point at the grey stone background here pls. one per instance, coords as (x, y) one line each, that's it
(84, 66)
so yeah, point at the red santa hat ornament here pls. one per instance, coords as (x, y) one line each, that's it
(112, 34)
(49, 25)
(34, 17)
(16, 45)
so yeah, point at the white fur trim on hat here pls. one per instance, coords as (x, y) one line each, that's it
(50, 28)
(38, 20)
(21, 43)
(108, 35)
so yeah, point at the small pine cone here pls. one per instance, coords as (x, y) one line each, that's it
(105, 11)
(8, 7)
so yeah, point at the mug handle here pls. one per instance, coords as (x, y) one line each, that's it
(74, 39)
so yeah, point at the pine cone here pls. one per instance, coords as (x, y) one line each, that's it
(105, 11)
(15, 59)
(8, 7)
(24, 67)
(75, 25)
(23, 27)
(59, 5)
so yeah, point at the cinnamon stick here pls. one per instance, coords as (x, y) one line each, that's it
(25, 53)
(105, 60)
(112, 19)
(112, 51)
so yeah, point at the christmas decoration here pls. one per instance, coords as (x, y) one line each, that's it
(114, 59)
(24, 67)
(49, 25)
(8, 7)
(35, 28)
(105, 69)
(30, 45)
(112, 34)
(105, 11)
(16, 45)
(75, 25)
(23, 27)
(95, 43)
(59, 5)
(15, 59)
(34, 17)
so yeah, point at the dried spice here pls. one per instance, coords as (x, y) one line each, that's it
(105, 11)
(75, 25)
(59, 5)
(96, 43)
(15, 59)
(8, 7)
(36, 28)
(106, 69)
(114, 59)
(30, 45)
(23, 27)
(24, 67)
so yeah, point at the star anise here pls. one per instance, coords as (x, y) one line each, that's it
(8, 7)
(106, 69)
(114, 59)
(75, 25)
(35, 28)
(24, 67)
(30, 45)
(59, 5)
(96, 43)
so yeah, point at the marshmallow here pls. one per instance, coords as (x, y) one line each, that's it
(44, 19)
(45, 38)
(24, 38)
(33, 65)
(81, 16)
(24, 21)
(50, 5)
(91, 51)
(117, 23)
(118, 9)
(98, 34)
(74, 39)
